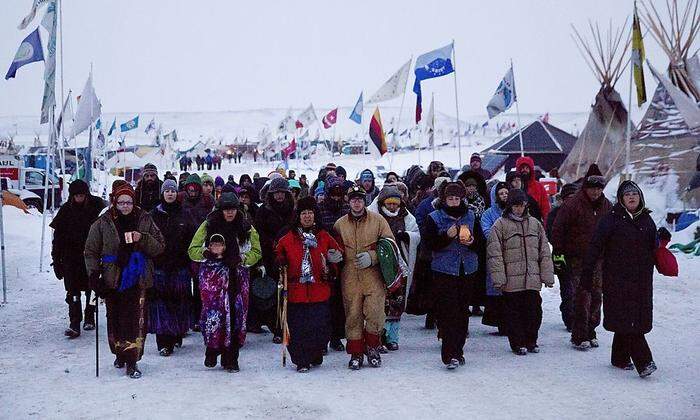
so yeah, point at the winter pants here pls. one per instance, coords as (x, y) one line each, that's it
(75, 309)
(522, 316)
(166, 341)
(337, 311)
(567, 292)
(493, 312)
(126, 323)
(391, 331)
(587, 304)
(229, 355)
(363, 299)
(309, 331)
(452, 298)
(630, 346)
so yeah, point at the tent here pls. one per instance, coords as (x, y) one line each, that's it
(665, 150)
(546, 144)
(605, 133)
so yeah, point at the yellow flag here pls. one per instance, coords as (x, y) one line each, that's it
(638, 59)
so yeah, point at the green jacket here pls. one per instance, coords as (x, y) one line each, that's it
(250, 258)
(103, 240)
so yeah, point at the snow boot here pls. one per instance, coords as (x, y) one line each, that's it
(429, 322)
(533, 349)
(374, 358)
(233, 367)
(210, 359)
(118, 363)
(582, 346)
(355, 362)
(337, 345)
(178, 342)
(132, 370)
(89, 317)
(462, 362)
(453, 364)
(628, 366)
(302, 369)
(594, 343)
(72, 333)
(648, 370)
(522, 351)
(392, 346)
(165, 352)
(383, 349)
(317, 361)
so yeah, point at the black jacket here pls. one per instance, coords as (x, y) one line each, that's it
(626, 247)
(178, 230)
(71, 227)
(271, 224)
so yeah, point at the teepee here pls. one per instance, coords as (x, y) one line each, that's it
(666, 147)
(606, 129)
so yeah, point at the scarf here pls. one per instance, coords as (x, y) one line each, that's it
(309, 240)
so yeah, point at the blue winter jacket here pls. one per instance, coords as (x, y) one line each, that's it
(487, 220)
(424, 208)
(450, 258)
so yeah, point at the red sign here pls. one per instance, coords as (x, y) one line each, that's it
(12, 173)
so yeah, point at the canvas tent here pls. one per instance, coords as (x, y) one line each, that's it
(665, 150)
(546, 144)
(605, 132)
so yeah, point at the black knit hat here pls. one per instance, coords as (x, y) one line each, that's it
(594, 181)
(149, 168)
(516, 197)
(568, 189)
(306, 203)
(78, 187)
(227, 201)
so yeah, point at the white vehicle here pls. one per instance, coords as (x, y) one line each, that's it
(28, 183)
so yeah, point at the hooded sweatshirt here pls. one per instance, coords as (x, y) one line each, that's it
(534, 188)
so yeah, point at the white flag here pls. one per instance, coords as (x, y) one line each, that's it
(308, 116)
(394, 87)
(49, 98)
(686, 106)
(89, 109)
(32, 14)
(430, 123)
(504, 96)
(65, 115)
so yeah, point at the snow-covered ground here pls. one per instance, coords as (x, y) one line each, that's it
(44, 375)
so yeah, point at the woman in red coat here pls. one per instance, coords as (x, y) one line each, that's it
(309, 253)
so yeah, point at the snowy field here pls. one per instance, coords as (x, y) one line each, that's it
(45, 375)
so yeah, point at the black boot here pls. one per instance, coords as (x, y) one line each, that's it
(75, 315)
(337, 345)
(210, 358)
(132, 370)
(429, 321)
(229, 359)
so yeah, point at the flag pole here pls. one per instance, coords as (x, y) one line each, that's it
(398, 123)
(459, 136)
(517, 111)
(629, 125)
(49, 159)
(62, 153)
(432, 123)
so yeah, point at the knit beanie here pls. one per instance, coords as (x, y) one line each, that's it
(340, 171)
(119, 188)
(168, 184)
(389, 191)
(149, 168)
(226, 201)
(219, 182)
(78, 187)
(568, 190)
(207, 178)
(193, 179)
(278, 185)
(594, 181)
(293, 183)
(366, 175)
(439, 180)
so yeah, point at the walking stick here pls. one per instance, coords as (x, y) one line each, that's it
(285, 326)
(97, 334)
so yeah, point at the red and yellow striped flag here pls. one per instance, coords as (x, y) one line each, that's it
(376, 132)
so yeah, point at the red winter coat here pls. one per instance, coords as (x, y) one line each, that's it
(534, 188)
(290, 250)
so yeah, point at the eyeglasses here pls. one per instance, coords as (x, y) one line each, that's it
(125, 203)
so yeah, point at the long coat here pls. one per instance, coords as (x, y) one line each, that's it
(575, 223)
(627, 247)
(103, 240)
(71, 227)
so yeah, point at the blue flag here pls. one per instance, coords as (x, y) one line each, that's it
(356, 114)
(129, 125)
(98, 124)
(29, 51)
(435, 63)
(113, 127)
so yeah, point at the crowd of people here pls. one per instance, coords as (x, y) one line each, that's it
(342, 259)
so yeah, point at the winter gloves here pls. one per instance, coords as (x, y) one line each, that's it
(559, 263)
(95, 282)
(363, 260)
(334, 256)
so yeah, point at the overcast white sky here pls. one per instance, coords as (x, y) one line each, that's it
(183, 55)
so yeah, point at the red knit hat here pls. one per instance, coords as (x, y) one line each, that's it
(121, 187)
